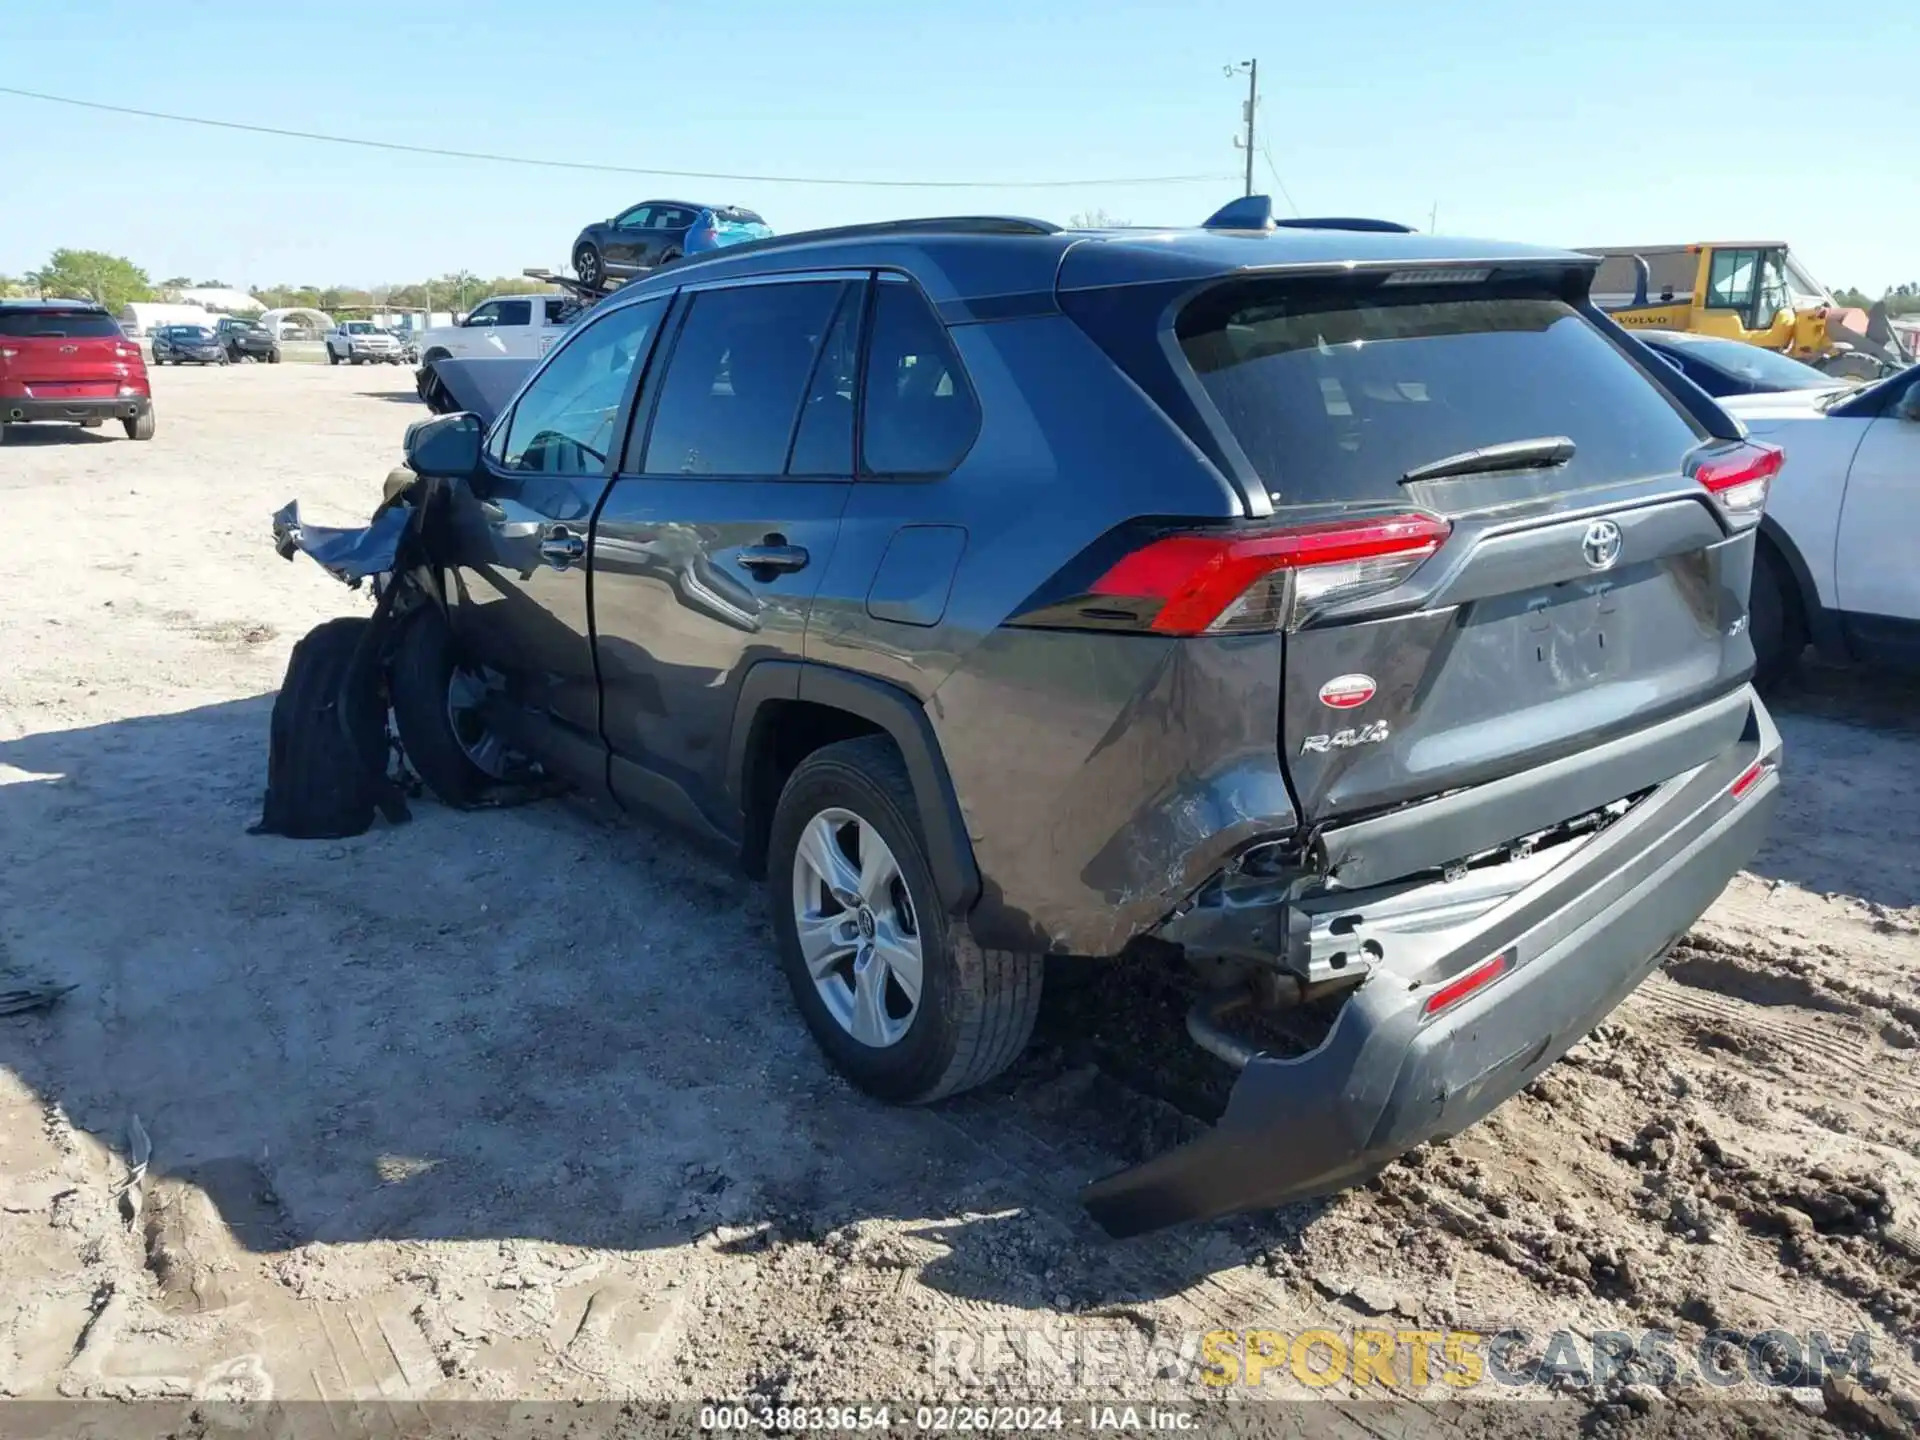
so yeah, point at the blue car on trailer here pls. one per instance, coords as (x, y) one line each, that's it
(658, 232)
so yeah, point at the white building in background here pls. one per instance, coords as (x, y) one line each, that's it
(141, 316)
(221, 301)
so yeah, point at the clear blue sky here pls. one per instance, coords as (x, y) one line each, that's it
(1604, 124)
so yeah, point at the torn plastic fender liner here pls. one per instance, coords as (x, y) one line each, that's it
(349, 555)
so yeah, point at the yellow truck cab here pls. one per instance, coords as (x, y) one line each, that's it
(1751, 290)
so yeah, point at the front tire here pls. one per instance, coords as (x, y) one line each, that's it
(140, 427)
(1779, 629)
(273, 356)
(900, 996)
(434, 699)
(333, 356)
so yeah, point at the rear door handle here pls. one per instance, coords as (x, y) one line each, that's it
(560, 548)
(763, 562)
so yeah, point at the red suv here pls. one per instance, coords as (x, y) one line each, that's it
(68, 360)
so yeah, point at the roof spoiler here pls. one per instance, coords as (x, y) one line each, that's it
(1255, 212)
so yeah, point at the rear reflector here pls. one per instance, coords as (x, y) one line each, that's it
(1471, 983)
(1739, 477)
(1749, 778)
(1239, 582)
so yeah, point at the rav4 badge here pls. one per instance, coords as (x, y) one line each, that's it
(1374, 734)
(1347, 692)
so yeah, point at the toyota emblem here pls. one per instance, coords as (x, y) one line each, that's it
(1601, 545)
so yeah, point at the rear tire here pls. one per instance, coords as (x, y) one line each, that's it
(1779, 629)
(974, 1009)
(426, 664)
(589, 267)
(140, 427)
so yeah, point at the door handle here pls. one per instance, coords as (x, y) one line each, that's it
(763, 562)
(560, 548)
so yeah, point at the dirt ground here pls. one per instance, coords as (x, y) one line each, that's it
(514, 1104)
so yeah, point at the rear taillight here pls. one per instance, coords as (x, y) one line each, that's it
(126, 352)
(1237, 582)
(7, 352)
(1739, 475)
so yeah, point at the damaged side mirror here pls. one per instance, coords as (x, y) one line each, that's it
(447, 446)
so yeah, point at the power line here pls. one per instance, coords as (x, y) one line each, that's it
(1275, 172)
(606, 169)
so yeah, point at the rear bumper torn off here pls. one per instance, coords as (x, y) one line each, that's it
(1582, 937)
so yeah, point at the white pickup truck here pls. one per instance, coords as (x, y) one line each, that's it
(361, 342)
(524, 326)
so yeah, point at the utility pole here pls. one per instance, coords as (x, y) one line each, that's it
(1433, 217)
(1251, 68)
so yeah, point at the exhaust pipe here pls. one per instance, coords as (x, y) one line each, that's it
(1267, 990)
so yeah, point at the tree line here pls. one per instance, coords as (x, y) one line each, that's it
(115, 281)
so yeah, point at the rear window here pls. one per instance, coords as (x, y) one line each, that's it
(59, 324)
(1335, 392)
(738, 214)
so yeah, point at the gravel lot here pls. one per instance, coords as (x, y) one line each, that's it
(513, 1104)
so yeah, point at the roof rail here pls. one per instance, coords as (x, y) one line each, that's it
(879, 229)
(1348, 222)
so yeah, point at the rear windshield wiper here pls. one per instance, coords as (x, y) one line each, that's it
(1538, 454)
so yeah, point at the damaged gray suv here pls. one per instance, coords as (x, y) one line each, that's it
(1356, 615)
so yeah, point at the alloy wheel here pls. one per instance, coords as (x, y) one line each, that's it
(858, 932)
(465, 694)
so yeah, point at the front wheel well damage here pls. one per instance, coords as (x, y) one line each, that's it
(785, 733)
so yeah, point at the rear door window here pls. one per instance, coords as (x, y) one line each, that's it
(920, 413)
(737, 377)
(58, 325)
(1335, 391)
(514, 312)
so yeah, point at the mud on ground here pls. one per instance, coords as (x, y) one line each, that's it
(514, 1104)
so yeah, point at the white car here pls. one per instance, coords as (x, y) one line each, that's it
(361, 342)
(525, 326)
(1836, 564)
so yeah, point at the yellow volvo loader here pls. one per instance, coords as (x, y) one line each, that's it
(1751, 290)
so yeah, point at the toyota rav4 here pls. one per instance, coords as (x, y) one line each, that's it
(1358, 615)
